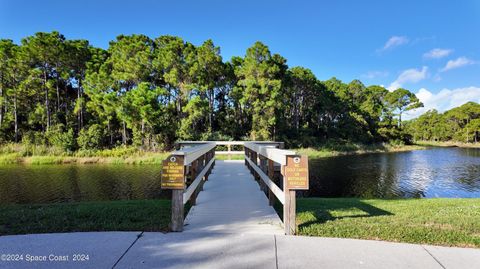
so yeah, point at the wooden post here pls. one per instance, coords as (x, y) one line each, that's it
(193, 174)
(263, 167)
(201, 160)
(271, 196)
(173, 177)
(255, 161)
(177, 211)
(289, 207)
(229, 149)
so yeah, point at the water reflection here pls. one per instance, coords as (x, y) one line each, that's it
(69, 183)
(437, 172)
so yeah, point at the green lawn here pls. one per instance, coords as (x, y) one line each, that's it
(139, 215)
(449, 222)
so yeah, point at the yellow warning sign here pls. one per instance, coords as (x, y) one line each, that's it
(173, 173)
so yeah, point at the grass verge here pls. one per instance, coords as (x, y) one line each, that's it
(447, 222)
(135, 215)
(327, 151)
(447, 144)
(135, 157)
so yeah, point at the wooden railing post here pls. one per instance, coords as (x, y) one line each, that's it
(177, 211)
(289, 207)
(177, 217)
(271, 196)
(255, 161)
(193, 174)
(263, 166)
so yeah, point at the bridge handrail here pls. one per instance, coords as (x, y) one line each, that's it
(193, 153)
(198, 161)
(261, 159)
(270, 152)
(266, 179)
(224, 143)
(187, 194)
(229, 144)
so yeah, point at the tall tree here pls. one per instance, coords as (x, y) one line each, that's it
(7, 60)
(79, 53)
(131, 62)
(210, 71)
(45, 50)
(402, 100)
(260, 87)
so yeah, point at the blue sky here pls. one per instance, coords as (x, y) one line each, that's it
(429, 47)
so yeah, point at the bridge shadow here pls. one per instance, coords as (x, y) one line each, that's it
(332, 209)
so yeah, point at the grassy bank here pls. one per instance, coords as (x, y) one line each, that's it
(20, 154)
(140, 215)
(330, 150)
(448, 222)
(447, 144)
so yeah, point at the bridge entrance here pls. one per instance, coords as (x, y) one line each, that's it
(234, 196)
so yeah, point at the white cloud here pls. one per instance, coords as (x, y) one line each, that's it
(459, 62)
(408, 76)
(374, 74)
(437, 53)
(444, 100)
(395, 41)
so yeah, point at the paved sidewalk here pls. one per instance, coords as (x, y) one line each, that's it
(220, 250)
(104, 249)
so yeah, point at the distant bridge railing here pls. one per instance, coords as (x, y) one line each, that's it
(228, 144)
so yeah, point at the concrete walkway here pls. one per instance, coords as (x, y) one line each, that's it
(221, 250)
(231, 227)
(232, 202)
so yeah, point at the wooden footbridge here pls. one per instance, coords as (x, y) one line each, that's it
(234, 196)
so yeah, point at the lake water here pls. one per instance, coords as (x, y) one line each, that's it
(437, 172)
(71, 183)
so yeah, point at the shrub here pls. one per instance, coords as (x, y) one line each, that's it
(91, 138)
(57, 137)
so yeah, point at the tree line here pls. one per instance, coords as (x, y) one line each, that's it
(151, 92)
(458, 124)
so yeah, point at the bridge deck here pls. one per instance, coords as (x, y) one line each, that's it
(232, 202)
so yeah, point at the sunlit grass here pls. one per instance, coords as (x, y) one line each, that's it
(350, 149)
(38, 155)
(449, 222)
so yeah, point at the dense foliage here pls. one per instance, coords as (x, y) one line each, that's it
(458, 124)
(150, 92)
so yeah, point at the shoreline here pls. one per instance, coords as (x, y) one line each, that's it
(362, 149)
(137, 157)
(146, 158)
(447, 144)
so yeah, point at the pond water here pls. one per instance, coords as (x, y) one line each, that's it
(437, 172)
(72, 183)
